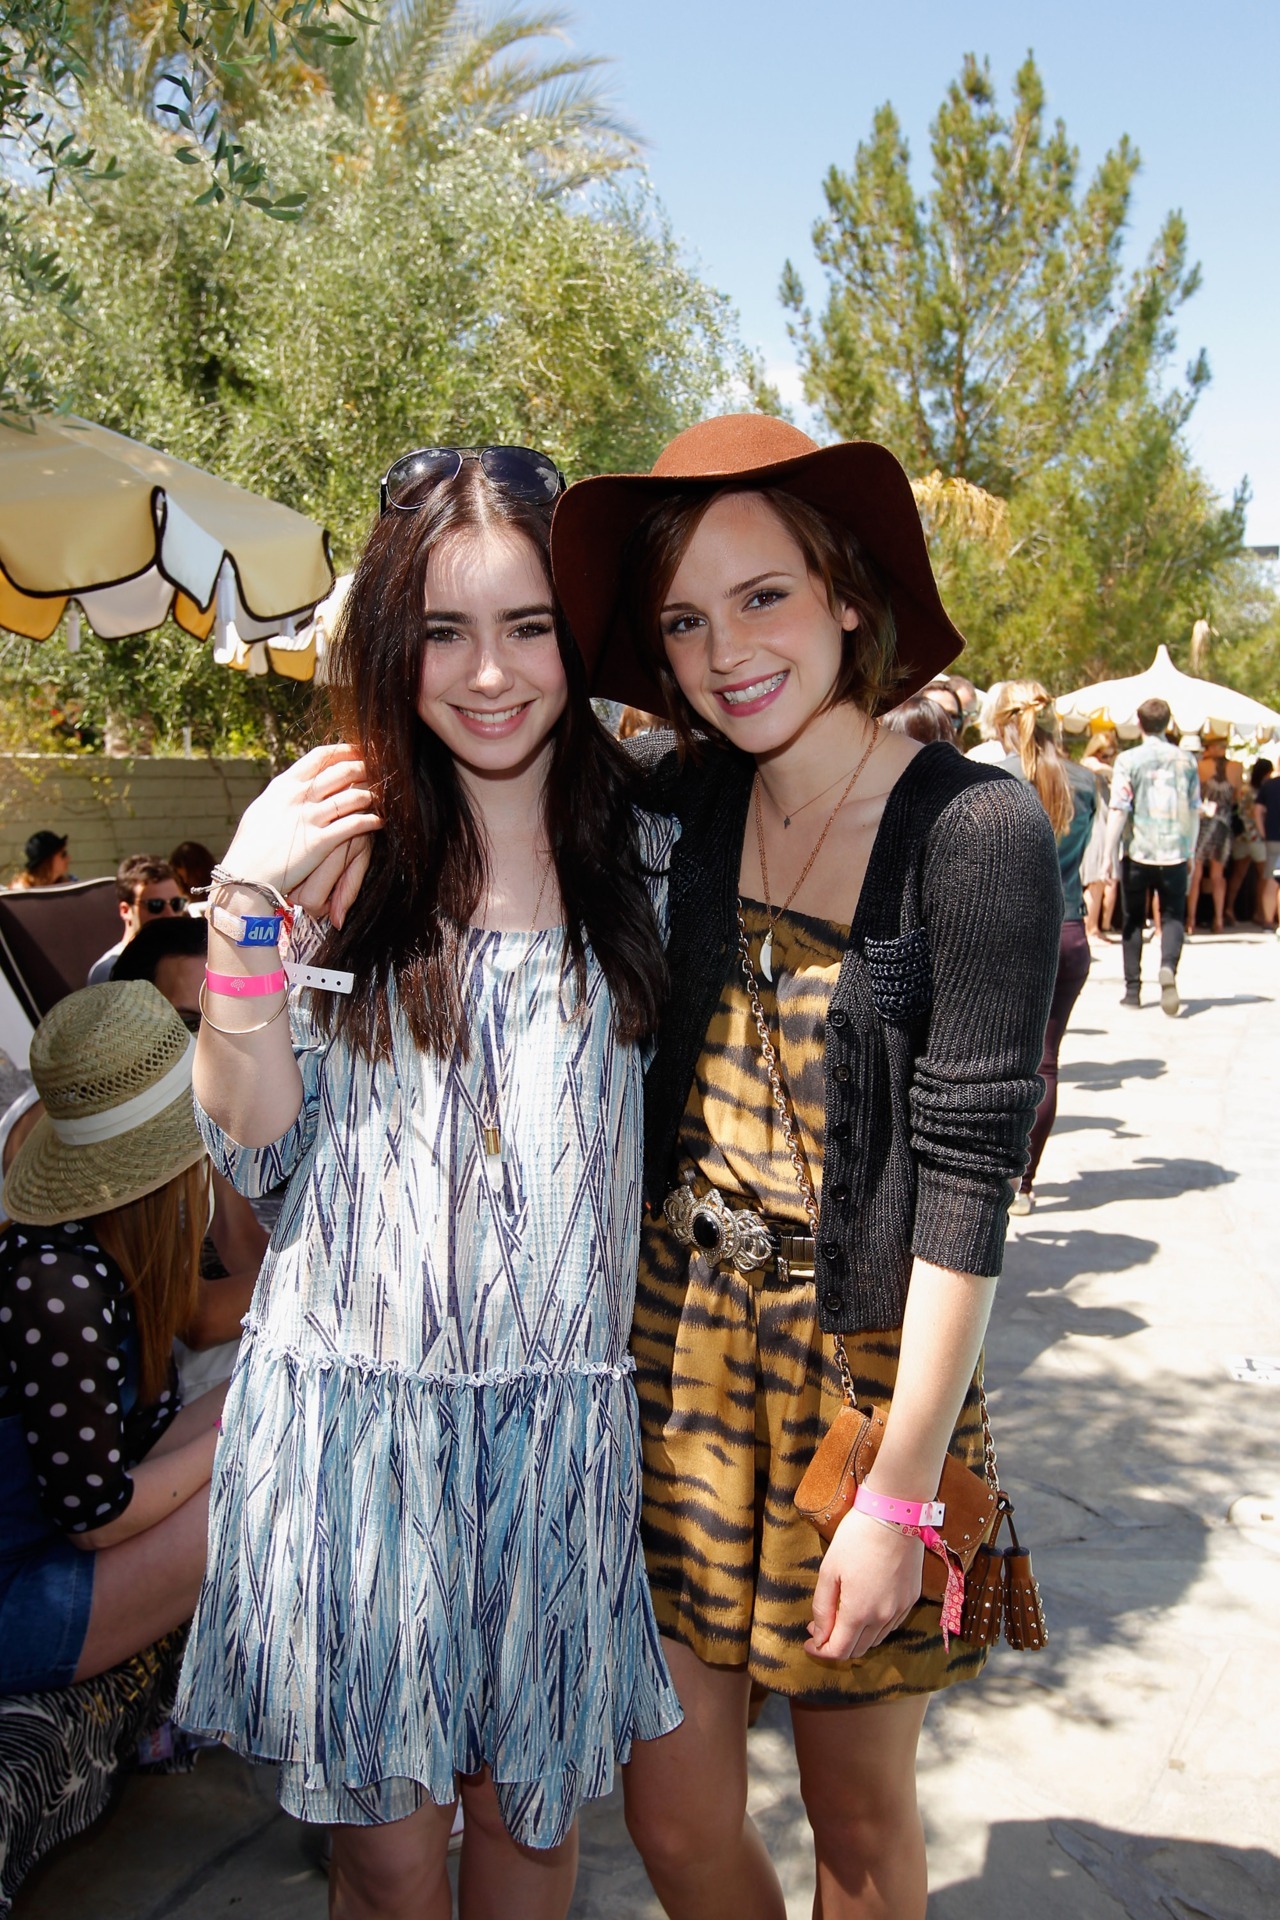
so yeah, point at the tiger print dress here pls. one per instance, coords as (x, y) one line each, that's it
(736, 1382)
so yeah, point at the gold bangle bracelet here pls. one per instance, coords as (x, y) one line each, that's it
(234, 1033)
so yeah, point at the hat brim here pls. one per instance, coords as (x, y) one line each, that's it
(858, 483)
(50, 1181)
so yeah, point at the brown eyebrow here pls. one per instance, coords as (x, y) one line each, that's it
(731, 593)
(507, 614)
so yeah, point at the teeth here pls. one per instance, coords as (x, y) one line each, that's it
(741, 696)
(487, 718)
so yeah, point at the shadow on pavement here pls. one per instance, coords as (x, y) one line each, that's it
(1150, 1177)
(1092, 1123)
(1108, 1076)
(1190, 1008)
(1038, 1260)
(1074, 1870)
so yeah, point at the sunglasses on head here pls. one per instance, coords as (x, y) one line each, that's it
(522, 471)
(155, 907)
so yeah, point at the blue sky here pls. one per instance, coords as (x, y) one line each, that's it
(746, 103)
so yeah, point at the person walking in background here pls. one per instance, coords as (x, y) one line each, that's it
(1155, 811)
(1098, 759)
(1266, 814)
(1028, 726)
(146, 887)
(1213, 839)
(1249, 848)
(989, 750)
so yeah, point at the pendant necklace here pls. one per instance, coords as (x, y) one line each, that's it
(766, 945)
(491, 1134)
(813, 799)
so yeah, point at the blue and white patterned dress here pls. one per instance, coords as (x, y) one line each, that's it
(424, 1520)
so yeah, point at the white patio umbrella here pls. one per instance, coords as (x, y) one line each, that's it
(1197, 706)
(94, 523)
(300, 655)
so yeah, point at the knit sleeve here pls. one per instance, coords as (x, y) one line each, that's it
(992, 902)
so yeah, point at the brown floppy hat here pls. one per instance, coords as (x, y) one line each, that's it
(856, 483)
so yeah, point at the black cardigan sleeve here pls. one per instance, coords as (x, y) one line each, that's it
(992, 907)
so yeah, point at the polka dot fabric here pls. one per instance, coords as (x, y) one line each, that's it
(66, 1367)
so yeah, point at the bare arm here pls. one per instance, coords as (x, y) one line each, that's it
(300, 837)
(161, 1484)
(870, 1577)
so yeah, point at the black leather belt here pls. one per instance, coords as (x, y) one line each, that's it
(736, 1236)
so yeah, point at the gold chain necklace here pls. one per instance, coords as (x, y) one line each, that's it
(813, 799)
(766, 945)
(491, 1135)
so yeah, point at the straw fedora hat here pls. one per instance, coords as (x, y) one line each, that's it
(112, 1065)
(856, 483)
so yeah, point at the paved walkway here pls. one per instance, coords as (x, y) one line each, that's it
(1131, 1769)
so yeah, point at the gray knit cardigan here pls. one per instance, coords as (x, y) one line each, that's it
(934, 1031)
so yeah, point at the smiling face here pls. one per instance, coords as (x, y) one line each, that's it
(493, 684)
(748, 630)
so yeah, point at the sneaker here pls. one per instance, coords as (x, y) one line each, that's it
(1169, 1000)
(1131, 997)
(1022, 1201)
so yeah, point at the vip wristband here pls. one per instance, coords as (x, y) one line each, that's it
(246, 929)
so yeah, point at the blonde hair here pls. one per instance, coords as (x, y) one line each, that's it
(1025, 720)
(155, 1241)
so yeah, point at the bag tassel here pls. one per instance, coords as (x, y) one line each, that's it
(983, 1613)
(1024, 1621)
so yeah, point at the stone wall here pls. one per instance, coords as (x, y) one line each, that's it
(111, 808)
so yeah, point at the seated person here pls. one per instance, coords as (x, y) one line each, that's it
(45, 861)
(147, 889)
(192, 865)
(104, 1474)
(170, 953)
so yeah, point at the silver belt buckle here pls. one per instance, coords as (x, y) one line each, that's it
(722, 1235)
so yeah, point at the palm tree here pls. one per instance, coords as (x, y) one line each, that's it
(435, 71)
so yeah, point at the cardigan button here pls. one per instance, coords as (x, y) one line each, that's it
(840, 1193)
(842, 1073)
(830, 1250)
(839, 1130)
(832, 1300)
(838, 1018)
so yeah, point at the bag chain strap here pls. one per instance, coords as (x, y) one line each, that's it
(810, 1198)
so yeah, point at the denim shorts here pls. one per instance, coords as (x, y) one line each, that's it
(45, 1596)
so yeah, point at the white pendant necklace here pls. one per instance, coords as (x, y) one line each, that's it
(766, 945)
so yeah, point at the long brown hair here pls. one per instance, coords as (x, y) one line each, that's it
(869, 672)
(1026, 723)
(428, 867)
(155, 1242)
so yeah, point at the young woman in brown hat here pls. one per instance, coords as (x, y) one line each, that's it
(864, 937)
(104, 1475)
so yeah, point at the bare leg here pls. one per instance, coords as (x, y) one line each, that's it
(394, 1872)
(1193, 893)
(1109, 898)
(145, 1587)
(686, 1799)
(1235, 880)
(1093, 908)
(498, 1876)
(858, 1781)
(1218, 888)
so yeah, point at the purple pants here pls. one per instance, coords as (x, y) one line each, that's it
(1073, 969)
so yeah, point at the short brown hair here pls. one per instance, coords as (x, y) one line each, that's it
(140, 870)
(869, 673)
(1154, 716)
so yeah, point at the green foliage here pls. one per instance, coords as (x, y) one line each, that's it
(988, 332)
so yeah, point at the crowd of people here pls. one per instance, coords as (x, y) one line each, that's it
(430, 1267)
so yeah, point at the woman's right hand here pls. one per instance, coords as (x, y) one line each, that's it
(306, 835)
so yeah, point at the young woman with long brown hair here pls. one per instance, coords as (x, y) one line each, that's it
(1027, 725)
(864, 935)
(104, 1475)
(425, 1572)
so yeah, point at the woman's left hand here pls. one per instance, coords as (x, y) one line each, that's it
(868, 1584)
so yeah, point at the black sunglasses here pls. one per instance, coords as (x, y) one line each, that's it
(170, 904)
(523, 471)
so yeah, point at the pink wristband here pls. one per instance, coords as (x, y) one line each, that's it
(899, 1513)
(245, 986)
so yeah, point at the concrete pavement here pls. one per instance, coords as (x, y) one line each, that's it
(1131, 1769)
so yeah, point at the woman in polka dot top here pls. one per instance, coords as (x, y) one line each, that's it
(103, 1476)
